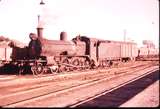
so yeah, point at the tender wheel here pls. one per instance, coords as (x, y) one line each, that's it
(104, 63)
(37, 69)
(109, 63)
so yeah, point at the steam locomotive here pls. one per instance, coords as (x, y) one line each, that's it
(81, 52)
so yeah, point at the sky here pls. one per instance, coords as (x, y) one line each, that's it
(103, 19)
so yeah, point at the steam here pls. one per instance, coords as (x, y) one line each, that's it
(47, 17)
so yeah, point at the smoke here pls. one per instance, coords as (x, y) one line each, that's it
(48, 16)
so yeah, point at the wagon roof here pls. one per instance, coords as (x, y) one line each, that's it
(108, 41)
(122, 42)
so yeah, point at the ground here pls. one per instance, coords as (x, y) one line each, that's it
(147, 98)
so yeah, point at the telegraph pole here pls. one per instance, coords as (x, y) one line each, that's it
(39, 16)
(124, 34)
(41, 3)
(40, 26)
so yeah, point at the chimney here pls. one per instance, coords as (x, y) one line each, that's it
(39, 28)
(40, 32)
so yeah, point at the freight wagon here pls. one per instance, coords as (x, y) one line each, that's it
(5, 55)
(147, 52)
(116, 50)
(104, 52)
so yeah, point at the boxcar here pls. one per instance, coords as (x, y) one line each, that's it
(116, 50)
(5, 55)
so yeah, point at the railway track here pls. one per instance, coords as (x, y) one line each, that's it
(48, 90)
(87, 102)
(23, 81)
(29, 79)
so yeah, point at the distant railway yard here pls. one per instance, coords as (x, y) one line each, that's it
(128, 84)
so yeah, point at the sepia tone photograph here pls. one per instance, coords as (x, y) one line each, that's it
(79, 53)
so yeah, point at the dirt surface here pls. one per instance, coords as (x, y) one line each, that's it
(147, 98)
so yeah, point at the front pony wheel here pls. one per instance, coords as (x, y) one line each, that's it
(37, 69)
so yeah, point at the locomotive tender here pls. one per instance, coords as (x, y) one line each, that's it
(62, 55)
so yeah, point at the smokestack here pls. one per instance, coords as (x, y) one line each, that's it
(40, 32)
(39, 29)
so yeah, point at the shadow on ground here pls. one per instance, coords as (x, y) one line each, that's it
(123, 94)
(9, 69)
